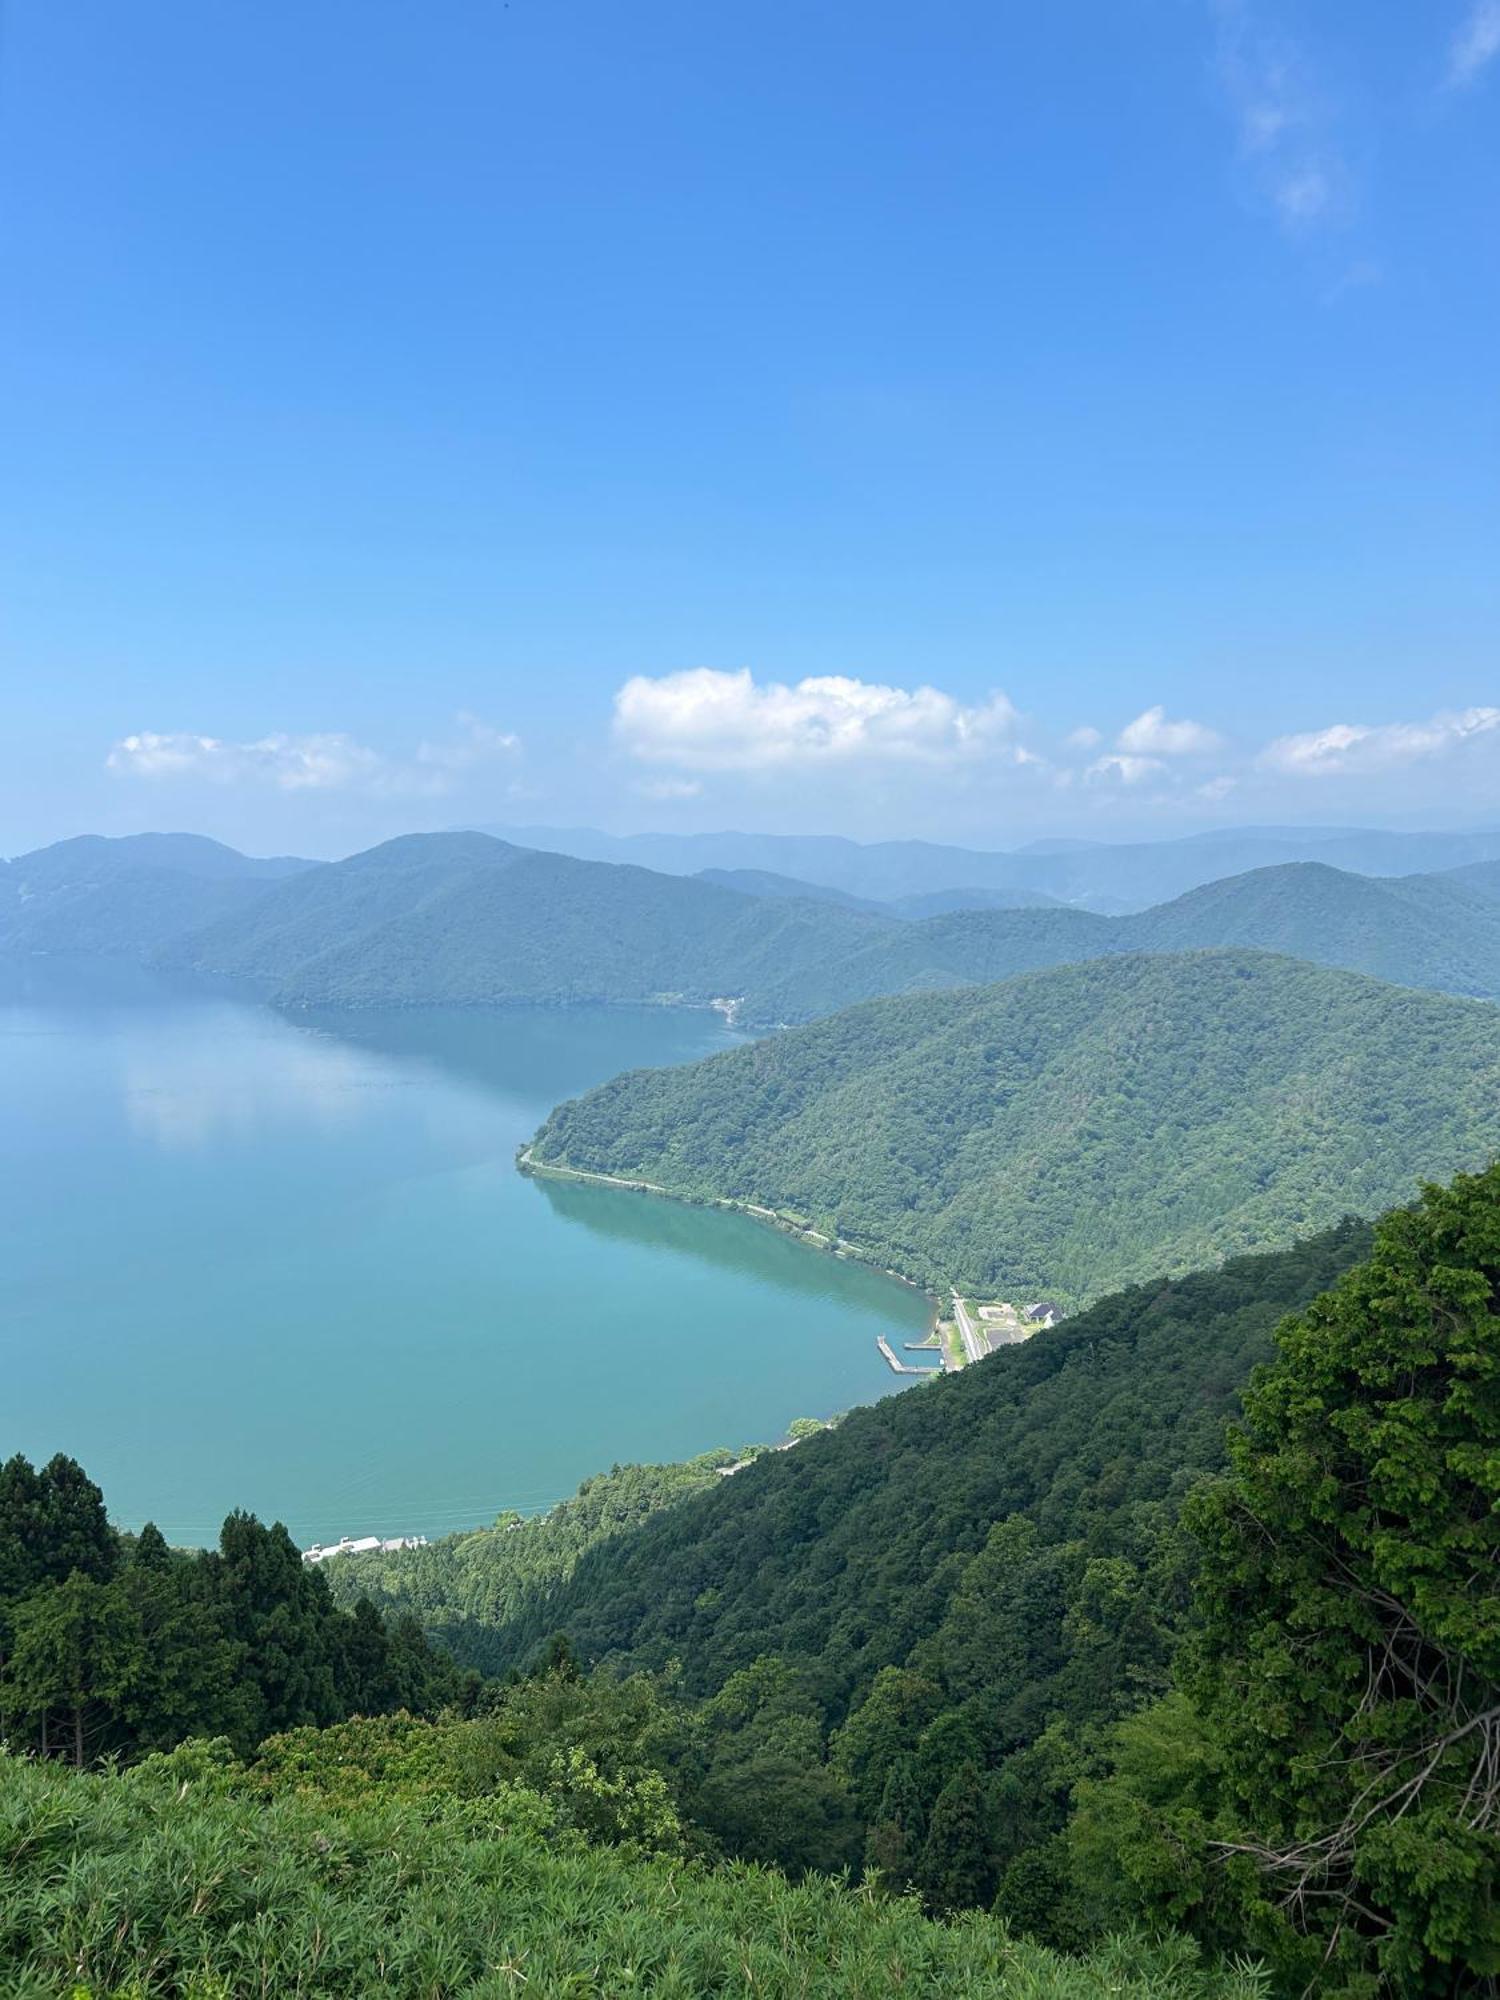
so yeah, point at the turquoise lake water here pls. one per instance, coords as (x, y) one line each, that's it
(286, 1263)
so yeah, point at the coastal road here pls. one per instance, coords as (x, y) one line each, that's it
(976, 1347)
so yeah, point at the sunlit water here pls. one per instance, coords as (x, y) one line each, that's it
(288, 1264)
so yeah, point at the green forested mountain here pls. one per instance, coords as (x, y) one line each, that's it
(1072, 1129)
(464, 919)
(1437, 931)
(1418, 930)
(127, 897)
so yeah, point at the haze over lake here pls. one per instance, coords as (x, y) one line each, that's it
(288, 1264)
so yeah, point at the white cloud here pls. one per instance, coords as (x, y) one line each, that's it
(1284, 126)
(1086, 738)
(1357, 748)
(707, 720)
(1123, 770)
(1152, 735)
(322, 762)
(1476, 44)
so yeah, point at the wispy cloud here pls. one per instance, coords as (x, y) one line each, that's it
(1476, 44)
(708, 720)
(477, 742)
(1120, 769)
(1084, 738)
(1289, 158)
(1359, 749)
(669, 789)
(327, 761)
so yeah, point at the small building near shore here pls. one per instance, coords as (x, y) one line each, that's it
(362, 1545)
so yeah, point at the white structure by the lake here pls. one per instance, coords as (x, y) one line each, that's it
(362, 1545)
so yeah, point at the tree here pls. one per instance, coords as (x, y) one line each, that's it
(1347, 1648)
(955, 1872)
(76, 1647)
(189, 1678)
(880, 1732)
(151, 1551)
(52, 1522)
(895, 1837)
(278, 1610)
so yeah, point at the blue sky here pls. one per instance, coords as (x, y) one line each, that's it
(504, 411)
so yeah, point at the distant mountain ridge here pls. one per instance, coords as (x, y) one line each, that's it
(1073, 1129)
(911, 909)
(466, 919)
(1112, 879)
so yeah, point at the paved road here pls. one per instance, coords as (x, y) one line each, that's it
(976, 1347)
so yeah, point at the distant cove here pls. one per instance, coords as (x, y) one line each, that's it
(288, 1262)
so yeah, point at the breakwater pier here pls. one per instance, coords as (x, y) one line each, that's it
(897, 1365)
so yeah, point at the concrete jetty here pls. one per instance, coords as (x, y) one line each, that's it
(897, 1365)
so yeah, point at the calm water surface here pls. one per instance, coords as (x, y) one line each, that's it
(288, 1264)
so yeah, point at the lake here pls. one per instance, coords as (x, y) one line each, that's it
(287, 1264)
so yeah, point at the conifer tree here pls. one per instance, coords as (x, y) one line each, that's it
(955, 1871)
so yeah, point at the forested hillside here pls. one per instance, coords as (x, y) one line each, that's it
(1417, 930)
(1072, 1130)
(129, 897)
(474, 1591)
(464, 919)
(1436, 931)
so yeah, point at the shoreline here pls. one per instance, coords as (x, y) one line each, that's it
(816, 1239)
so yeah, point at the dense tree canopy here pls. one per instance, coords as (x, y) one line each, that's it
(117, 1645)
(1346, 1654)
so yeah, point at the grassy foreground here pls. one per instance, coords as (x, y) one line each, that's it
(153, 1884)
